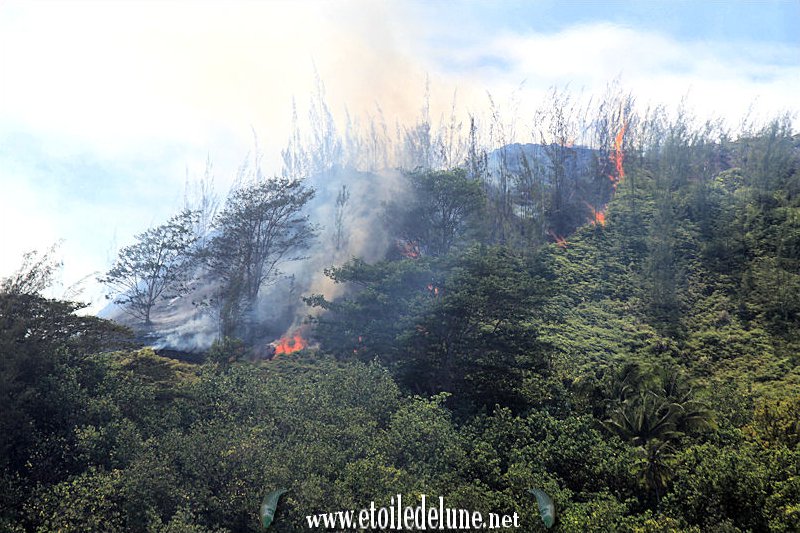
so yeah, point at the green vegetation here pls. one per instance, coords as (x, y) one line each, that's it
(643, 372)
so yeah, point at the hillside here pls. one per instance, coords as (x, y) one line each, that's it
(621, 333)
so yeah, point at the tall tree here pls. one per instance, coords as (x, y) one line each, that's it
(157, 266)
(261, 226)
(465, 323)
(476, 336)
(42, 344)
(559, 125)
(444, 209)
(339, 227)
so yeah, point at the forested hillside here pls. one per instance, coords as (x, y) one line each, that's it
(614, 322)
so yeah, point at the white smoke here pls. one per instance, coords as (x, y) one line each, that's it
(179, 324)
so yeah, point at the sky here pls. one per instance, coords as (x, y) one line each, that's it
(107, 107)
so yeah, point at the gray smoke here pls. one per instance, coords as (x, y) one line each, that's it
(179, 324)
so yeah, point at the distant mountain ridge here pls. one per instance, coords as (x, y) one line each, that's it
(518, 158)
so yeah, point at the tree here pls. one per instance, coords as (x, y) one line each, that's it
(476, 336)
(157, 266)
(729, 486)
(339, 231)
(444, 208)
(34, 275)
(464, 323)
(326, 148)
(261, 226)
(204, 201)
(43, 343)
(652, 413)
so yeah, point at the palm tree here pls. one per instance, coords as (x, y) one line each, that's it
(654, 415)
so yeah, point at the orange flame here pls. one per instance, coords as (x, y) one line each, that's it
(618, 156)
(598, 215)
(359, 345)
(433, 289)
(287, 345)
(560, 241)
(409, 249)
(600, 218)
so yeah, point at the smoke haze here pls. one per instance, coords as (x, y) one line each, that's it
(106, 107)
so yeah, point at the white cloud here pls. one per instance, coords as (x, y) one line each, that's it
(721, 79)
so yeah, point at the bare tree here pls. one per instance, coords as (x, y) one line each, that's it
(326, 146)
(501, 135)
(295, 157)
(201, 198)
(339, 235)
(449, 144)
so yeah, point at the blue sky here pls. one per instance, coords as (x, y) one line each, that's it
(764, 20)
(106, 107)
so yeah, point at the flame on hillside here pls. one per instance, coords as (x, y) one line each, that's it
(598, 217)
(560, 241)
(289, 344)
(359, 345)
(618, 156)
(409, 249)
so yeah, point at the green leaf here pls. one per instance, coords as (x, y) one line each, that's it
(546, 507)
(268, 507)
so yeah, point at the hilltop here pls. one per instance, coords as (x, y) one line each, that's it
(614, 324)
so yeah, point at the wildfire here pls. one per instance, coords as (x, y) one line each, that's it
(287, 345)
(433, 289)
(409, 249)
(598, 216)
(618, 156)
(560, 241)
